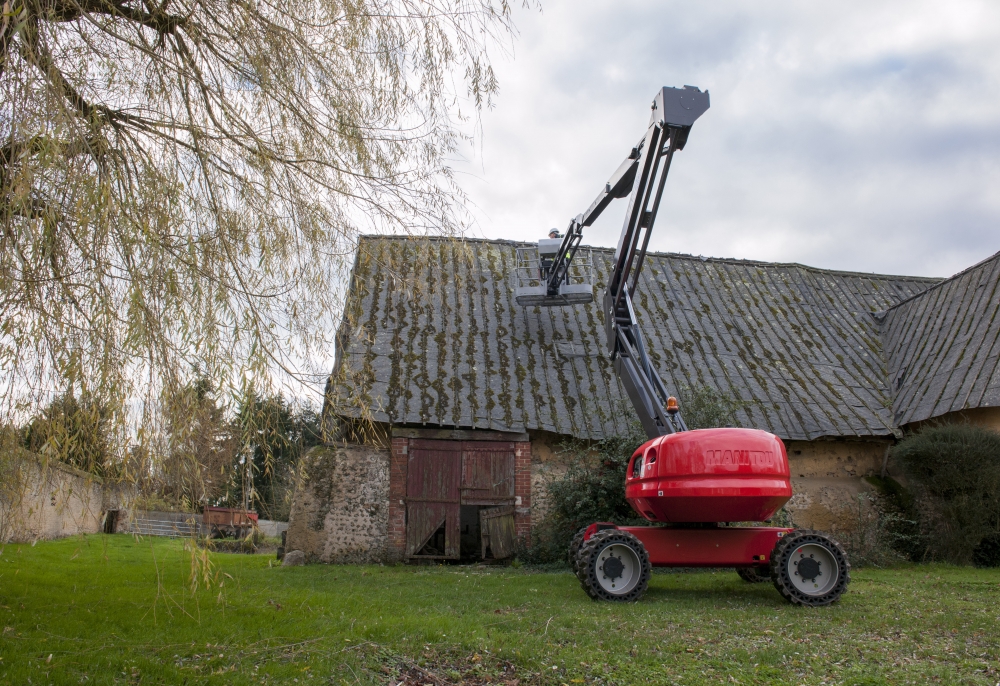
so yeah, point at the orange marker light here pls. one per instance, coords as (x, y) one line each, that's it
(672, 405)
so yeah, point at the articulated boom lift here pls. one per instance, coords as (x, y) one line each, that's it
(690, 483)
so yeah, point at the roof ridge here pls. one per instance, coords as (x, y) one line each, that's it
(936, 280)
(942, 282)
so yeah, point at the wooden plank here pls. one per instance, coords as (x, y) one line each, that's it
(422, 521)
(458, 435)
(497, 531)
(487, 471)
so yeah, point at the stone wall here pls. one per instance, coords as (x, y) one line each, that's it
(548, 464)
(340, 510)
(827, 477)
(985, 417)
(44, 499)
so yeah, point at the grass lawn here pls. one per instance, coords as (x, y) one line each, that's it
(114, 610)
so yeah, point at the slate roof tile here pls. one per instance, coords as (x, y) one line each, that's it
(432, 334)
(943, 345)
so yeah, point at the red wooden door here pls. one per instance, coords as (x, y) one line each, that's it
(487, 473)
(432, 499)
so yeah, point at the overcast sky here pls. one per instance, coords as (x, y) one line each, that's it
(849, 135)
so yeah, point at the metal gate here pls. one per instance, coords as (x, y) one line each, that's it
(444, 475)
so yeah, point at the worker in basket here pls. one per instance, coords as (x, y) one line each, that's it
(545, 260)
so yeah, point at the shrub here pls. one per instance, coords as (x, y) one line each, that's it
(901, 517)
(878, 534)
(593, 490)
(704, 407)
(954, 471)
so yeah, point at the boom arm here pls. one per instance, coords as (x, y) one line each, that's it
(642, 177)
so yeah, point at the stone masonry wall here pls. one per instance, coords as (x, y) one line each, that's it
(350, 503)
(827, 477)
(985, 417)
(547, 465)
(45, 499)
(340, 510)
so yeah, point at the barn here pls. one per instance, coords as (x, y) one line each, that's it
(448, 401)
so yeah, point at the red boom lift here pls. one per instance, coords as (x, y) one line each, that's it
(690, 483)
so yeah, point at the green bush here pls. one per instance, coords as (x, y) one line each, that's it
(954, 471)
(878, 535)
(704, 407)
(593, 490)
(899, 518)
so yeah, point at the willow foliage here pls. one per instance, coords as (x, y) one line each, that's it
(183, 181)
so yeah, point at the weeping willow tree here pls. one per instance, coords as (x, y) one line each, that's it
(183, 182)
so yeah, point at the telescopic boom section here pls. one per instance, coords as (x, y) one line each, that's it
(641, 177)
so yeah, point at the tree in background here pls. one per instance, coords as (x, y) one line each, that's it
(77, 431)
(192, 465)
(182, 183)
(274, 435)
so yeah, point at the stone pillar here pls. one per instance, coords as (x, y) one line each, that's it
(522, 489)
(397, 498)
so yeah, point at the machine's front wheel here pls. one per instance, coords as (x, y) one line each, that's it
(810, 568)
(753, 575)
(614, 565)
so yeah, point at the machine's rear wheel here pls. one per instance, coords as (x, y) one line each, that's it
(753, 575)
(574, 548)
(810, 568)
(614, 565)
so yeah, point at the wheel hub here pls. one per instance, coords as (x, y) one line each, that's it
(617, 569)
(808, 569)
(613, 567)
(813, 569)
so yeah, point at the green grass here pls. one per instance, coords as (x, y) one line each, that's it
(113, 610)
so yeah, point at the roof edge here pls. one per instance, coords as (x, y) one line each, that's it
(934, 280)
(942, 283)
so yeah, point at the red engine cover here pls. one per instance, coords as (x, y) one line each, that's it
(709, 475)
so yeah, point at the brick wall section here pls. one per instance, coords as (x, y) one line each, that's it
(397, 494)
(522, 488)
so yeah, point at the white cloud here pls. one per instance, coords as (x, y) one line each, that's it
(850, 135)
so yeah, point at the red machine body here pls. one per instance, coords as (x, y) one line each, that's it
(702, 547)
(709, 475)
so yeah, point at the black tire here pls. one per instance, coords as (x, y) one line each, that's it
(824, 555)
(753, 575)
(631, 566)
(574, 548)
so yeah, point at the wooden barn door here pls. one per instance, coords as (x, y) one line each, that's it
(488, 479)
(433, 509)
(487, 473)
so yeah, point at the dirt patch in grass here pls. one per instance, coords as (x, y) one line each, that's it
(437, 666)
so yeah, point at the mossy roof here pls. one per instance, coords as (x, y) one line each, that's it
(432, 336)
(943, 346)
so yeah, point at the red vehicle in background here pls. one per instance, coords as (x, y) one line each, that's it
(228, 522)
(694, 485)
